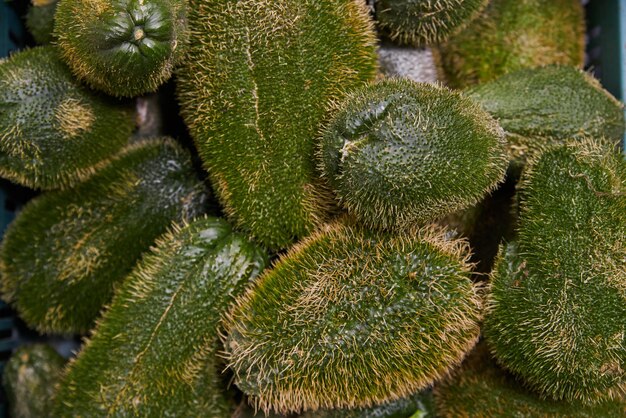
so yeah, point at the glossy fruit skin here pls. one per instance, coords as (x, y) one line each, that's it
(424, 23)
(154, 352)
(123, 47)
(29, 380)
(482, 389)
(54, 132)
(40, 20)
(512, 35)
(557, 307)
(399, 153)
(65, 252)
(542, 107)
(351, 318)
(254, 99)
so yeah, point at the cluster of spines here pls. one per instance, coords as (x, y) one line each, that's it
(308, 285)
(63, 254)
(481, 388)
(572, 346)
(423, 23)
(370, 180)
(540, 108)
(193, 272)
(124, 48)
(511, 35)
(63, 133)
(257, 147)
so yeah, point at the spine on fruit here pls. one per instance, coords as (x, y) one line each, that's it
(66, 250)
(512, 35)
(54, 132)
(424, 23)
(254, 91)
(482, 389)
(154, 352)
(557, 307)
(123, 47)
(399, 153)
(351, 318)
(543, 107)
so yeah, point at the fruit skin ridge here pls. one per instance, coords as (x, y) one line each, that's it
(124, 48)
(64, 253)
(557, 307)
(153, 353)
(54, 132)
(398, 153)
(350, 318)
(254, 98)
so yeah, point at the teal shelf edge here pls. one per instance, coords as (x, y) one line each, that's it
(6, 324)
(622, 56)
(606, 49)
(12, 32)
